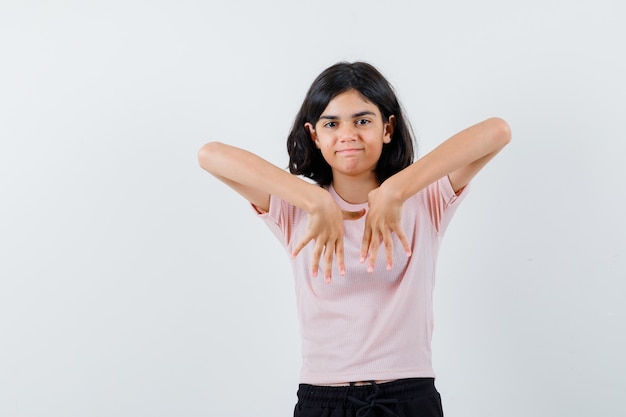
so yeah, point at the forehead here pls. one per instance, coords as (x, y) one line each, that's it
(349, 103)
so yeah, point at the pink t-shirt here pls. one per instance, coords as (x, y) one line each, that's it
(369, 326)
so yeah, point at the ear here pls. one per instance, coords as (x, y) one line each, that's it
(309, 127)
(389, 128)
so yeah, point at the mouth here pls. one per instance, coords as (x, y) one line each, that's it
(349, 151)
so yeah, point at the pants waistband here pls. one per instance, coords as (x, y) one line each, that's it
(401, 389)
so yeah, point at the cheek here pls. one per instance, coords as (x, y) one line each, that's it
(326, 152)
(324, 144)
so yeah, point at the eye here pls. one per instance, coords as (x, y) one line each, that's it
(330, 124)
(362, 122)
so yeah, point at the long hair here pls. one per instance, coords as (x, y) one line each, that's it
(304, 157)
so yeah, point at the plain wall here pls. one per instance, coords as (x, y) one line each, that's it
(132, 283)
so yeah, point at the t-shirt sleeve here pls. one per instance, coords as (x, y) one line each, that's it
(442, 202)
(282, 218)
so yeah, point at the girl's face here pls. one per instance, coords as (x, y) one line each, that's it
(350, 133)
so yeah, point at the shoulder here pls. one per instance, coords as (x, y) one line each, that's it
(280, 211)
(437, 201)
(443, 190)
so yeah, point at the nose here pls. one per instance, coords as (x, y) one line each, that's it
(347, 133)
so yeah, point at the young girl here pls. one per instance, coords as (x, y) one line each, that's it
(366, 327)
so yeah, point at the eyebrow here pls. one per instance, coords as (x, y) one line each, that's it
(355, 115)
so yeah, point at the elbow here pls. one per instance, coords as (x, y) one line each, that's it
(207, 155)
(501, 131)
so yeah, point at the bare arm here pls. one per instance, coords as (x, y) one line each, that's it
(460, 157)
(256, 179)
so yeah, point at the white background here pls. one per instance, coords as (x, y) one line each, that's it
(134, 284)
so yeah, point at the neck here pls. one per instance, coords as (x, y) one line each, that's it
(354, 190)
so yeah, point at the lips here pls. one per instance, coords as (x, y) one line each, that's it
(349, 150)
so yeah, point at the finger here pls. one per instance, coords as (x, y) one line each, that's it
(388, 242)
(365, 243)
(315, 260)
(404, 241)
(341, 265)
(352, 215)
(373, 252)
(329, 251)
(303, 242)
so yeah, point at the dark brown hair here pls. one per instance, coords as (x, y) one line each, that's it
(304, 157)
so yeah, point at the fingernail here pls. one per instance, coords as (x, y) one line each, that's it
(362, 259)
(342, 272)
(389, 267)
(314, 274)
(370, 268)
(408, 253)
(327, 279)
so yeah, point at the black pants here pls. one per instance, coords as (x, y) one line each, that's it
(413, 397)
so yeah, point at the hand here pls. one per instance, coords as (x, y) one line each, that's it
(325, 227)
(383, 219)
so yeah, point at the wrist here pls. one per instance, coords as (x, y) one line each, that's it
(392, 192)
(315, 197)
